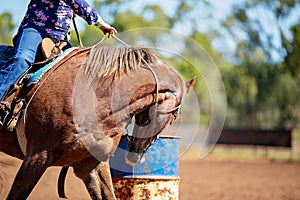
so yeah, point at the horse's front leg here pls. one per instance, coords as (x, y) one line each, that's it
(31, 170)
(96, 177)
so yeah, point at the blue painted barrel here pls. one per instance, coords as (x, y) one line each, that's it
(157, 178)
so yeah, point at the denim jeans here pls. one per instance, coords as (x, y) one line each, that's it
(25, 48)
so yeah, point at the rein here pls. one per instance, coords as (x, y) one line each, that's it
(76, 31)
(173, 111)
(155, 79)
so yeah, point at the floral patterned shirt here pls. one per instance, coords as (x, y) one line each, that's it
(53, 17)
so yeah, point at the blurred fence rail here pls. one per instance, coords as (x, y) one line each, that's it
(278, 144)
(256, 137)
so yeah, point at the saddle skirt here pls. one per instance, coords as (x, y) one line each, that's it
(31, 77)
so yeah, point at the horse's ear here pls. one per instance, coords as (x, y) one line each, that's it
(190, 84)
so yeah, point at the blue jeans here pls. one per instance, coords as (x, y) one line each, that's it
(25, 48)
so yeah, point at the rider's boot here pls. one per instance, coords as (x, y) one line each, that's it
(47, 46)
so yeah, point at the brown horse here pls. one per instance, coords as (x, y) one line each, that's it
(79, 110)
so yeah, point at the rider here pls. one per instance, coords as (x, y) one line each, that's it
(43, 19)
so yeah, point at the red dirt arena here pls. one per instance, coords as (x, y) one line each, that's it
(213, 178)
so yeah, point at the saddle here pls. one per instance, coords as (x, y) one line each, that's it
(47, 52)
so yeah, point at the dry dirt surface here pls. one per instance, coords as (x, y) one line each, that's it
(212, 179)
(208, 179)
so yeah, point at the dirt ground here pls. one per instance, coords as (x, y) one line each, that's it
(212, 179)
(209, 179)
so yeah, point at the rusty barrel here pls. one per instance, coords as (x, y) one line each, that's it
(157, 178)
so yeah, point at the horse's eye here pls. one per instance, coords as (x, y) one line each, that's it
(176, 113)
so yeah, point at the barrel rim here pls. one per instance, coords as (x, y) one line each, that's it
(148, 177)
(161, 136)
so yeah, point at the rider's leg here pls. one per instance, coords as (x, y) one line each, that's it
(25, 49)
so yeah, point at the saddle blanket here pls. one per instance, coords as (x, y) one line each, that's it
(34, 77)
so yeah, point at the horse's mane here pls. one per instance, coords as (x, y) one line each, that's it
(114, 61)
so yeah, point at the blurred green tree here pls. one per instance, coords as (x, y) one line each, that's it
(7, 26)
(292, 47)
(260, 88)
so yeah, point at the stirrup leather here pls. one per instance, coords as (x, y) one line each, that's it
(16, 113)
(4, 113)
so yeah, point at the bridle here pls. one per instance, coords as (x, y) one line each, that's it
(174, 111)
(155, 79)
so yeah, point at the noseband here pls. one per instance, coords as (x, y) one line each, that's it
(173, 111)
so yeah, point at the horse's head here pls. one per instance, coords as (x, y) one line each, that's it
(142, 86)
(152, 121)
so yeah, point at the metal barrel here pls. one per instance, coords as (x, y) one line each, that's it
(157, 178)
